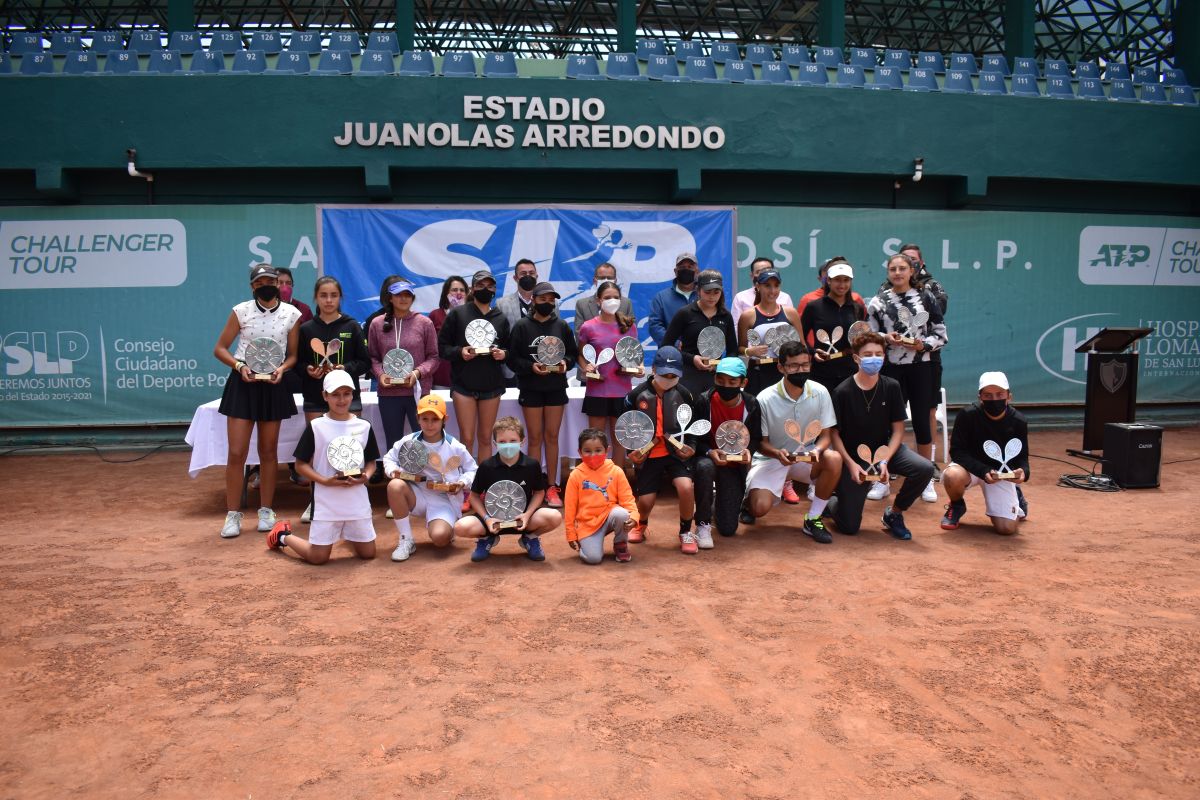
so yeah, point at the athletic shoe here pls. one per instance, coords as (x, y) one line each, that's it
(266, 519)
(704, 535)
(746, 518)
(404, 549)
(789, 494)
(814, 527)
(812, 492)
(954, 514)
(232, 526)
(930, 493)
(389, 514)
(893, 523)
(621, 552)
(879, 491)
(306, 517)
(532, 545)
(638, 534)
(687, 543)
(553, 497)
(281, 528)
(483, 547)
(1022, 504)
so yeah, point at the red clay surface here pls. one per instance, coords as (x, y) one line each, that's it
(143, 656)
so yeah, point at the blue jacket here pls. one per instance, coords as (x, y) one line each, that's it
(663, 307)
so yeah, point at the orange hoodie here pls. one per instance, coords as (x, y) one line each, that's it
(591, 494)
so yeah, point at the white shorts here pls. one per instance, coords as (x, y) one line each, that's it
(436, 505)
(352, 530)
(1000, 498)
(769, 474)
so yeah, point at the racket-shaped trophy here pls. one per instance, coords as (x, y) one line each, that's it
(733, 440)
(326, 351)
(412, 458)
(263, 356)
(505, 501)
(345, 455)
(435, 461)
(710, 344)
(635, 432)
(630, 356)
(857, 330)
(913, 323)
(597, 361)
(830, 340)
(397, 365)
(1012, 449)
(874, 461)
(550, 353)
(683, 415)
(755, 339)
(806, 440)
(480, 335)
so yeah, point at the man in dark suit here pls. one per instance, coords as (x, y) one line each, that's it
(586, 307)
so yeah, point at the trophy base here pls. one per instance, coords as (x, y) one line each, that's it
(410, 477)
(804, 458)
(761, 362)
(709, 363)
(507, 526)
(481, 351)
(908, 340)
(641, 451)
(835, 354)
(349, 473)
(397, 380)
(637, 373)
(437, 486)
(869, 477)
(737, 458)
(1006, 476)
(263, 376)
(554, 369)
(592, 376)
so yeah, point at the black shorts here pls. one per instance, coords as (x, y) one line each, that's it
(537, 398)
(260, 402)
(486, 394)
(603, 406)
(649, 474)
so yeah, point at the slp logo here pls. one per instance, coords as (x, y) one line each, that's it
(1121, 255)
(37, 351)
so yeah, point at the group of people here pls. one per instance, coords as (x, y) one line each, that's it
(823, 401)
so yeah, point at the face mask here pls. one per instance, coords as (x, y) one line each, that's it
(544, 309)
(797, 379)
(285, 294)
(454, 300)
(728, 393)
(595, 460)
(610, 305)
(509, 450)
(527, 282)
(666, 382)
(685, 276)
(871, 364)
(484, 295)
(994, 407)
(266, 293)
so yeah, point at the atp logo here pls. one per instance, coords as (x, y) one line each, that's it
(1121, 255)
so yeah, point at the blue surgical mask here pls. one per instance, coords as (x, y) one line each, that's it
(871, 364)
(509, 450)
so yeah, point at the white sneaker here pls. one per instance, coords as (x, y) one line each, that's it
(404, 549)
(232, 526)
(389, 514)
(306, 517)
(879, 491)
(812, 492)
(930, 493)
(266, 519)
(704, 535)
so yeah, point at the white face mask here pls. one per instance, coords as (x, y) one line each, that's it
(610, 305)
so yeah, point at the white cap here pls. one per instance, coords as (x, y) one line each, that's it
(336, 380)
(993, 379)
(839, 270)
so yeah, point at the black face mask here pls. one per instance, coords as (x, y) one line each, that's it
(266, 293)
(685, 276)
(994, 407)
(527, 282)
(544, 309)
(728, 393)
(484, 295)
(797, 379)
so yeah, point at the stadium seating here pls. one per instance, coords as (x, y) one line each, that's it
(458, 65)
(992, 83)
(1153, 93)
(307, 42)
(964, 62)
(226, 42)
(623, 67)
(5, 63)
(105, 41)
(933, 61)
(850, 76)
(701, 70)
(267, 42)
(863, 57)
(416, 64)
(887, 78)
(685, 50)
(290, 62)
(1114, 72)
(1025, 66)
(650, 47)
(794, 55)
(62, 43)
(1091, 89)
(759, 54)
(958, 81)
(331, 62)
(1173, 76)
(584, 68)
(664, 68)
(828, 56)
(121, 62)
(206, 62)
(811, 75)
(345, 42)
(1182, 96)
(25, 43)
(185, 42)
(724, 52)
(1122, 89)
(386, 41)
(377, 62)
(250, 62)
(898, 59)
(922, 79)
(774, 72)
(1056, 68)
(1059, 86)
(1087, 69)
(1025, 85)
(739, 71)
(144, 42)
(995, 62)
(80, 62)
(500, 65)
(1144, 75)
(164, 62)
(40, 63)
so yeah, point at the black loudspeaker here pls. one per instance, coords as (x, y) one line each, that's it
(1132, 454)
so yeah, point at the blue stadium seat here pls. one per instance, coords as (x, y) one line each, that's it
(1025, 85)
(686, 49)
(1057, 68)
(1153, 93)
(898, 59)
(796, 54)
(1182, 96)
(922, 79)
(887, 78)
(664, 68)
(186, 42)
(992, 83)
(37, 64)
(1174, 76)
(144, 41)
(1087, 69)
(650, 47)
(105, 41)
(930, 60)
(828, 56)
(1116, 72)
(995, 62)
(332, 62)
(5, 63)
(1144, 75)
(206, 62)
(738, 71)
(416, 64)
(1059, 86)
(269, 42)
(458, 65)
(500, 65)
(701, 70)
(1026, 66)
(80, 62)
(291, 62)
(759, 54)
(1091, 89)
(345, 42)
(811, 75)
(164, 62)
(775, 72)
(958, 81)
(62, 43)
(226, 42)
(583, 68)
(623, 67)
(307, 42)
(377, 62)
(25, 43)
(249, 62)
(850, 76)
(1122, 89)
(121, 62)
(384, 40)
(863, 57)
(724, 52)
(964, 61)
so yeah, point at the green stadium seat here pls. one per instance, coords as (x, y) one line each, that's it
(584, 68)
(958, 81)
(811, 75)
(500, 65)
(206, 62)
(992, 83)
(377, 62)
(1025, 85)
(795, 55)
(1154, 93)
(1059, 86)
(144, 41)
(863, 57)
(226, 42)
(307, 42)
(104, 42)
(687, 49)
(850, 76)
(664, 68)
(701, 70)
(623, 67)
(37, 64)
(384, 40)
(922, 79)
(724, 52)
(739, 71)
(995, 62)
(65, 42)
(927, 59)
(650, 47)
(416, 64)
(775, 72)
(1026, 66)
(249, 62)
(1122, 89)
(1174, 76)
(121, 62)
(1091, 89)
(830, 57)
(291, 62)
(268, 42)
(80, 62)
(759, 54)
(965, 62)
(186, 42)
(898, 59)
(333, 62)
(887, 78)
(25, 43)
(344, 42)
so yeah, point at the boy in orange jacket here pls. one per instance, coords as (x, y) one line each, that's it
(598, 500)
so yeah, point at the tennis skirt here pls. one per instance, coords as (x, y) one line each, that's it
(260, 402)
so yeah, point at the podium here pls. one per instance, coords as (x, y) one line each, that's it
(1111, 393)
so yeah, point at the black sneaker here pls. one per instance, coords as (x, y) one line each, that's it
(954, 514)
(1023, 504)
(746, 518)
(814, 527)
(893, 523)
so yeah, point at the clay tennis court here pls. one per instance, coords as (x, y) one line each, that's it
(143, 656)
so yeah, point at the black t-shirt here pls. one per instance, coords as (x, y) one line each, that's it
(867, 417)
(526, 473)
(973, 427)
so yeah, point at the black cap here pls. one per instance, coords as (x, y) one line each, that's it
(545, 287)
(263, 271)
(482, 275)
(768, 274)
(708, 281)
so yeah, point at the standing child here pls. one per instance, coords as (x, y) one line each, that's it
(598, 500)
(341, 508)
(441, 509)
(509, 464)
(604, 399)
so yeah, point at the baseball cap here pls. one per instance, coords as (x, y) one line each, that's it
(768, 274)
(262, 270)
(336, 380)
(732, 366)
(679, 259)
(402, 286)
(709, 281)
(482, 275)
(993, 379)
(432, 403)
(545, 287)
(840, 269)
(668, 361)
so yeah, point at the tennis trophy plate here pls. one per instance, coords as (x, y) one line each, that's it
(263, 356)
(505, 501)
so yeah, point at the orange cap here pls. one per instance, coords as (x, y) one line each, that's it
(432, 403)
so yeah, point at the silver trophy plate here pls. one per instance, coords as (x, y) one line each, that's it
(263, 356)
(481, 335)
(711, 343)
(397, 364)
(412, 459)
(505, 501)
(634, 430)
(732, 438)
(629, 353)
(1012, 449)
(550, 351)
(345, 455)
